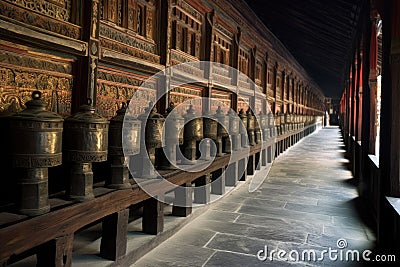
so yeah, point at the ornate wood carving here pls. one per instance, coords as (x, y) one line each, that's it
(39, 20)
(178, 95)
(220, 96)
(115, 86)
(22, 72)
(122, 42)
(186, 28)
(58, 9)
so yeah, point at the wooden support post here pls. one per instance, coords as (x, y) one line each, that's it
(218, 183)
(85, 86)
(56, 252)
(114, 235)
(250, 165)
(269, 153)
(242, 169)
(257, 162)
(231, 174)
(202, 189)
(153, 216)
(264, 157)
(183, 201)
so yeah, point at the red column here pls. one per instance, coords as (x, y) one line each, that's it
(373, 73)
(359, 98)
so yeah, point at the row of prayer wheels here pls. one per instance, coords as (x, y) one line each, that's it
(41, 139)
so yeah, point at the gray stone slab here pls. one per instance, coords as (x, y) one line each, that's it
(331, 241)
(253, 231)
(222, 258)
(353, 233)
(218, 215)
(264, 203)
(176, 254)
(284, 213)
(239, 244)
(226, 206)
(320, 210)
(198, 238)
(281, 223)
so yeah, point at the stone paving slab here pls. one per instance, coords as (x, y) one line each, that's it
(307, 202)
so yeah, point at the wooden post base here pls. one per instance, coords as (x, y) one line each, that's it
(114, 238)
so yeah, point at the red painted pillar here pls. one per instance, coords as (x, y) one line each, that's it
(373, 73)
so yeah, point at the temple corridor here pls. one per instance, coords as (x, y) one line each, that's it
(308, 201)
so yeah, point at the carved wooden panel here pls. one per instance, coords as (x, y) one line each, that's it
(38, 14)
(116, 86)
(126, 43)
(186, 28)
(22, 72)
(136, 15)
(243, 102)
(278, 87)
(186, 95)
(244, 61)
(259, 73)
(58, 9)
(221, 49)
(220, 97)
(258, 106)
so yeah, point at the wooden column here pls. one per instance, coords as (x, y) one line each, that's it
(231, 174)
(274, 77)
(359, 97)
(86, 83)
(163, 27)
(242, 165)
(153, 216)
(202, 189)
(352, 97)
(373, 82)
(218, 183)
(114, 235)
(251, 165)
(56, 252)
(183, 201)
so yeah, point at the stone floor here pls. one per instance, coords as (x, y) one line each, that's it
(307, 204)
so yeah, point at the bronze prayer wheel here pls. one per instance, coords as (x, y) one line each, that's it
(223, 124)
(193, 130)
(36, 135)
(85, 141)
(86, 136)
(210, 127)
(123, 142)
(154, 129)
(36, 140)
(243, 117)
(175, 130)
(250, 126)
(123, 127)
(233, 122)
